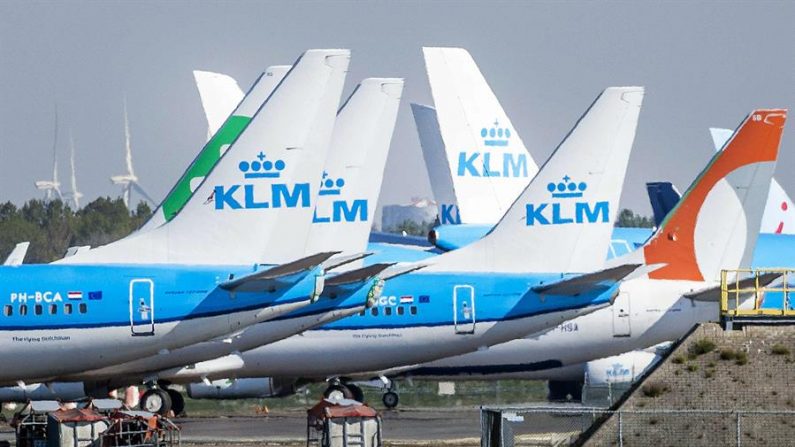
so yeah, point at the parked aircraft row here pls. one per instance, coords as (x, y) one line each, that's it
(256, 267)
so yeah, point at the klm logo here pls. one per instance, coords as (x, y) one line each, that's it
(252, 195)
(560, 212)
(448, 214)
(341, 210)
(618, 372)
(493, 164)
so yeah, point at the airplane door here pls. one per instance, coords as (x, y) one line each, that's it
(464, 309)
(621, 323)
(142, 307)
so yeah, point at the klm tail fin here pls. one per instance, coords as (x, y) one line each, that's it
(716, 223)
(351, 180)
(779, 216)
(220, 95)
(234, 124)
(436, 162)
(563, 220)
(256, 204)
(491, 165)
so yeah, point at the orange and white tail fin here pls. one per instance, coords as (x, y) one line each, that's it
(716, 223)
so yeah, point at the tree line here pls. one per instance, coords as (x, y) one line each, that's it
(52, 226)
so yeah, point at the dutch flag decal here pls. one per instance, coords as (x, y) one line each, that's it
(74, 295)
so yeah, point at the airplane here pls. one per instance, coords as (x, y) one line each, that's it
(713, 227)
(517, 280)
(183, 283)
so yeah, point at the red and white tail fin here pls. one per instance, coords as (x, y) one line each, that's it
(716, 223)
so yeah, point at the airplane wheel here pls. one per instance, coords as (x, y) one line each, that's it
(337, 392)
(390, 399)
(177, 401)
(356, 392)
(156, 400)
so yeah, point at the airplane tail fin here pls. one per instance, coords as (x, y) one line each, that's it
(351, 180)
(716, 223)
(663, 197)
(779, 216)
(491, 165)
(233, 124)
(267, 180)
(220, 95)
(563, 220)
(437, 164)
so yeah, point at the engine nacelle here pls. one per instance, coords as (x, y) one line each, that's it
(64, 391)
(624, 368)
(242, 388)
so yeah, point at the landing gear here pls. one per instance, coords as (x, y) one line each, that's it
(177, 401)
(356, 392)
(564, 391)
(390, 399)
(337, 391)
(156, 400)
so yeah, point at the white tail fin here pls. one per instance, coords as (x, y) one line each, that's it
(436, 162)
(234, 124)
(491, 165)
(354, 167)
(779, 217)
(17, 255)
(716, 223)
(256, 204)
(563, 220)
(220, 95)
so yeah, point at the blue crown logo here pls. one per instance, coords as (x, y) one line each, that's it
(329, 186)
(495, 136)
(261, 168)
(567, 188)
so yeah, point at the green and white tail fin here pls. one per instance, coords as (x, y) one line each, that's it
(233, 125)
(265, 182)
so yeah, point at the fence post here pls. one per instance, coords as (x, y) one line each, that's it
(620, 429)
(738, 429)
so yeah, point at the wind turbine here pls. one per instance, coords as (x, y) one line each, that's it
(128, 181)
(75, 195)
(50, 186)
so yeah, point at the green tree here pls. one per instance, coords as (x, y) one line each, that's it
(628, 219)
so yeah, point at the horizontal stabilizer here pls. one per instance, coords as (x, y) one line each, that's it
(583, 283)
(277, 276)
(400, 269)
(17, 255)
(356, 276)
(712, 294)
(339, 261)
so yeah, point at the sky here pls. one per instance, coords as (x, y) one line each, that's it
(704, 64)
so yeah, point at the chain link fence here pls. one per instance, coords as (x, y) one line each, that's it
(590, 426)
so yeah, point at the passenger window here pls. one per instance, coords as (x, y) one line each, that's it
(83, 308)
(23, 309)
(37, 309)
(413, 310)
(8, 310)
(387, 311)
(67, 309)
(401, 310)
(53, 309)
(374, 311)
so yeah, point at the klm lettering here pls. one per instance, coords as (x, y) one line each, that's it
(449, 215)
(342, 211)
(477, 164)
(558, 214)
(251, 197)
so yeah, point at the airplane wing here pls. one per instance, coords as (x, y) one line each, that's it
(350, 281)
(338, 261)
(17, 255)
(579, 284)
(712, 294)
(283, 275)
